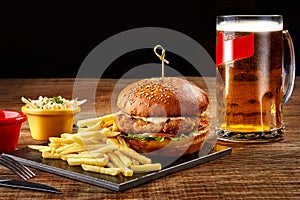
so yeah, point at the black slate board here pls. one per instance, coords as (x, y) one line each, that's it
(33, 158)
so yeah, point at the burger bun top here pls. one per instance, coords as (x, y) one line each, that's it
(163, 97)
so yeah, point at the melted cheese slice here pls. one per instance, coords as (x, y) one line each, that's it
(156, 120)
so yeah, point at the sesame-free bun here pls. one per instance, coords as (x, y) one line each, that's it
(163, 97)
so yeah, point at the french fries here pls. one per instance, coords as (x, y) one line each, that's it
(119, 164)
(92, 121)
(133, 154)
(103, 170)
(88, 161)
(146, 167)
(124, 159)
(97, 147)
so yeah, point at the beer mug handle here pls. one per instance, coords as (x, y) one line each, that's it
(289, 68)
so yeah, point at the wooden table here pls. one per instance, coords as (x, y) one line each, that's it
(270, 170)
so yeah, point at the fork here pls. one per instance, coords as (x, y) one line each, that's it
(16, 167)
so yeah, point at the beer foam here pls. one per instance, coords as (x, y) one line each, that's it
(250, 26)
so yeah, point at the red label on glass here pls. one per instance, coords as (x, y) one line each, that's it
(238, 48)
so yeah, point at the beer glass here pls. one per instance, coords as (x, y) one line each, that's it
(255, 76)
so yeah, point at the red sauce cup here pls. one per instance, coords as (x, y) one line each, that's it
(10, 126)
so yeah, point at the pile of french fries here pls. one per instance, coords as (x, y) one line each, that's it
(97, 147)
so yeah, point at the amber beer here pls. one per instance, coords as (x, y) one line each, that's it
(249, 81)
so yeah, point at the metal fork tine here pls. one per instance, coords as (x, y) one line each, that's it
(5, 163)
(20, 166)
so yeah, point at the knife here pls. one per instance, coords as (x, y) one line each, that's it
(28, 185)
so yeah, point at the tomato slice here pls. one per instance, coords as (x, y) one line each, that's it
(160, 135)
(203, 125)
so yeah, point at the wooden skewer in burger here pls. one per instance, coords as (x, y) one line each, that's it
(163, 115)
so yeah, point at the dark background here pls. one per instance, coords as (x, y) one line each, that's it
(52, 38)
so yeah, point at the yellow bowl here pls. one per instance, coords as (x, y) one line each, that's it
(49, 123)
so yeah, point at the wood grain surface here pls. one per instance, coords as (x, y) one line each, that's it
(260, 171)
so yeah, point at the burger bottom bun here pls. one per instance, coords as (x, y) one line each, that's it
(169, 148)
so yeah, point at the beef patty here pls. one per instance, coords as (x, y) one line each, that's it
(139, 125)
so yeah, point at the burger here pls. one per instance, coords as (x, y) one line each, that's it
(163, 116)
